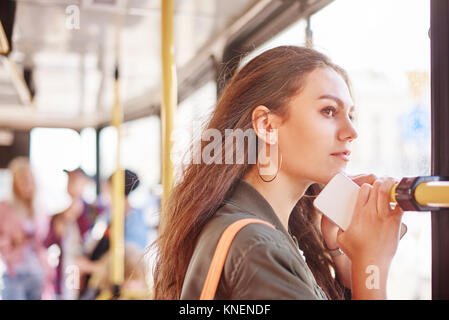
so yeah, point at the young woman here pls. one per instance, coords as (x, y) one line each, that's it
(298, 103)
(23, 228)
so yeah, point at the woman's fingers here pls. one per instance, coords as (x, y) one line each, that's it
(383, 200)
(378, 194)
(373, 197)
(362, 199)
(373, 228)
(364, 194)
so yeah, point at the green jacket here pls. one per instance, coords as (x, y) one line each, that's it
(263, 263)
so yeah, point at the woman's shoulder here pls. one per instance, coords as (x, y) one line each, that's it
(254, 239)
(262, 257)
(207, 242)
(251, 233)
(249, 242)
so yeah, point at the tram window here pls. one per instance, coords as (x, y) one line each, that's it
(88, 155)
(140, 152)
(51, 151)
(387, 55)
(108, 147)
(192, 113)
(386, 52)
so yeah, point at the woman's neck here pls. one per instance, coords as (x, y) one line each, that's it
(282, 193)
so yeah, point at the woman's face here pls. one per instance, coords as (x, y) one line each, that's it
(319, 127)
(24, 184)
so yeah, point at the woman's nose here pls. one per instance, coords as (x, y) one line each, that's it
(348, 131)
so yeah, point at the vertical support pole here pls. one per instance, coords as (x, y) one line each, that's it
(169, 96)
(439, 43)
(97, 161)
(309, 34)
(118, 200)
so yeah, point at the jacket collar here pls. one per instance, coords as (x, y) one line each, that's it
(248, 199)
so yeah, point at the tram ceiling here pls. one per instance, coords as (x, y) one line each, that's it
(70, 58)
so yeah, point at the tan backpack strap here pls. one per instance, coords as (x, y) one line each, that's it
(219, 258)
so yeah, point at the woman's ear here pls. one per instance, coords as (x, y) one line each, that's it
(265, 124)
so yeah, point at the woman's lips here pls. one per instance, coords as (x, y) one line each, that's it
(341, 155)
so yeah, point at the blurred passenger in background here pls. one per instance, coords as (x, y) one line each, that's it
(135, 235)
(135, 281)
(23, 229)
(136, 228)
(70, 230)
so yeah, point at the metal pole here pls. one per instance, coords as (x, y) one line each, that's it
(118, 200)
(98, 161)
(309, 34)
(169, 96)
(439, 47)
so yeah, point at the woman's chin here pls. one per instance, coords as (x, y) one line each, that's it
(327, 177)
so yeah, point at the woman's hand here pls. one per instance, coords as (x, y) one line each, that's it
(329, 229)
(371, 239)
(85, 265)
(374, 230)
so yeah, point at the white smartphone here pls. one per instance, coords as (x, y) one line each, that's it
(337, 201)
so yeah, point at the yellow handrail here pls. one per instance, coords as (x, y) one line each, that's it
(432, 194)
(118, 198)
(169, 96)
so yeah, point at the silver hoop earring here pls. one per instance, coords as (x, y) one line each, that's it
(277, 171)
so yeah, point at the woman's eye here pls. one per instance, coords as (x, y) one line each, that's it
(330, 111)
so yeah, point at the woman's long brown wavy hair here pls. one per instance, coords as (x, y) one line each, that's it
(270, 79)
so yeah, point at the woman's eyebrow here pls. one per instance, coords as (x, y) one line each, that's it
(336, 99)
